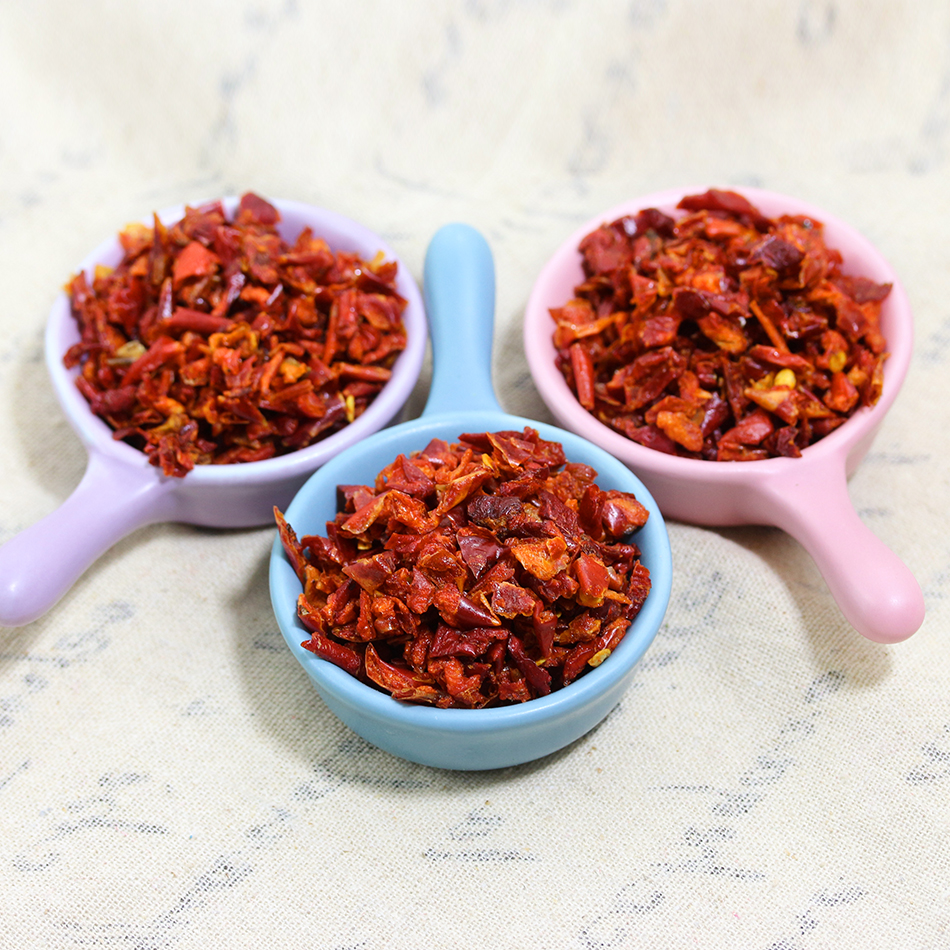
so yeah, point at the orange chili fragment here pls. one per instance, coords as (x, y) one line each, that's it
(520, 583)
(214, 341)
(721, 335)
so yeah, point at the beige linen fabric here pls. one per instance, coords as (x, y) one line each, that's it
(771, 781)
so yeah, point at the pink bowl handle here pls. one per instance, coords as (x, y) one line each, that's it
(41, 563)
(874, 589)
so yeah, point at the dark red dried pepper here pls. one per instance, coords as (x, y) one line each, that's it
(486, 572)
(721, 335)
(214, 341)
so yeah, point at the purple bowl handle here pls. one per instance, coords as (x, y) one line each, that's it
(41, 563)
(874, 589)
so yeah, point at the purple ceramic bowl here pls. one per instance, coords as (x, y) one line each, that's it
(121, 490)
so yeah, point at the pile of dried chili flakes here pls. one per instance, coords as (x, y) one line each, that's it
(481, 573)
(214, 341)
(721, 335)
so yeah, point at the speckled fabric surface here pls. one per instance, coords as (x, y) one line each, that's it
(771, 780)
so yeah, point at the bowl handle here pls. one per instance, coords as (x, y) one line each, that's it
(459, 287)
(41, 563)
(874, 589)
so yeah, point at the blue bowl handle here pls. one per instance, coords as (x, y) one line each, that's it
(459, 287)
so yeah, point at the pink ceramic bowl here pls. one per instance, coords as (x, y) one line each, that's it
(122, 491)
(807, 497)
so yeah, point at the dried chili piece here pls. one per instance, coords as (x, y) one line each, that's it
(214, 341)
(485, 572)
(721, 335)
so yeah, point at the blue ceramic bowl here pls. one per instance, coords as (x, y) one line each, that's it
(460, 292)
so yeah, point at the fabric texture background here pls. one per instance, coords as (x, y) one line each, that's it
(771, 781)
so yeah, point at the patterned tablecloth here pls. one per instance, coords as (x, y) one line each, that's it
(771, 781)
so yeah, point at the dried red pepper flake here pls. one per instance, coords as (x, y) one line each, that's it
(484, 572)
(214, 341)
(722, 334)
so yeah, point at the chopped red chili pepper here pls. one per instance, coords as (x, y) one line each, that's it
(215, 341)
(480, 573)
(721, 335)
